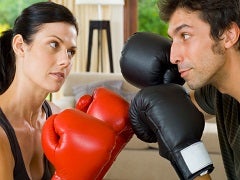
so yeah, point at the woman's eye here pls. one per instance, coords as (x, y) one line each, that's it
(54, 44)
(71, 53)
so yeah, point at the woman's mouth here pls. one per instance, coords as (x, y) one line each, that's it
(58, 75)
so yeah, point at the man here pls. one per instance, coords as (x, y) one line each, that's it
(206, 48)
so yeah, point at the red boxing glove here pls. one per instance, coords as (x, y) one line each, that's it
(77, 144)
(113, 109)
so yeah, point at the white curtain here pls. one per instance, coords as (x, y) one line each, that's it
(85, 13)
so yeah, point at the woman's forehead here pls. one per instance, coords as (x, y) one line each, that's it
(57, 29)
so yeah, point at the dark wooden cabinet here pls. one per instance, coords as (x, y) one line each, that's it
(130, 18)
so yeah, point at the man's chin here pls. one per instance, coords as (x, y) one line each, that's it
(193, 85)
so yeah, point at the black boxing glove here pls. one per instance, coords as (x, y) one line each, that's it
(165, 114)
(145, 61)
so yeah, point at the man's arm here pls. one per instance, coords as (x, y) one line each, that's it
(204, 177)
(206, 115)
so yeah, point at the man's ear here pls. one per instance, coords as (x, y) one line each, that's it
(231, 35)
(18, 45)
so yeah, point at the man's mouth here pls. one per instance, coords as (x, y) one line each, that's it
(184, 72)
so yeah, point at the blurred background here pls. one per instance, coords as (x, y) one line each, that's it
(125, 18)
(148, 18)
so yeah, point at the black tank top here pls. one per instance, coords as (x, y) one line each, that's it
(20, 172)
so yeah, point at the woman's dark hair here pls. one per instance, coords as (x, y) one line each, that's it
(218, 13)
(28, 24)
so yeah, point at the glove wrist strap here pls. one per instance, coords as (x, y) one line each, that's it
(193, 161)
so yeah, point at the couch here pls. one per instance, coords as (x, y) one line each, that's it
(138, 160)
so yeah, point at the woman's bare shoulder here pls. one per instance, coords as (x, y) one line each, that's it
(4, 139)
(6, 157)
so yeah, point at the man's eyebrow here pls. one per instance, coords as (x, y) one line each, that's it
(176, 30)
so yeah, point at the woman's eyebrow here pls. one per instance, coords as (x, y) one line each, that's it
(56, 37)
(74, 47)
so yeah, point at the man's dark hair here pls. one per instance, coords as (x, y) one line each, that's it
(220, 14)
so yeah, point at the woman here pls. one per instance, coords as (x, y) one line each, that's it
(35, 60)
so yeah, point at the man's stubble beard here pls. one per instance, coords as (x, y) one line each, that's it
(217, 49)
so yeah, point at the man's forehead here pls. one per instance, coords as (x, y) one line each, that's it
(182, 19)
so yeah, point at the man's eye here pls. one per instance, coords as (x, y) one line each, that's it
(54, 44)
(185, 36)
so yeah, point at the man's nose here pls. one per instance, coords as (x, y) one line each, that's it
(175, 54)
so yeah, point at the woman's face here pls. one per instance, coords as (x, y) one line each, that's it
(47, 60)
(198, 56)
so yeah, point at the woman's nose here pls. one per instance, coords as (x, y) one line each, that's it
(64, 59)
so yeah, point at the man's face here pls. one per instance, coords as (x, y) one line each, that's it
(198, 56)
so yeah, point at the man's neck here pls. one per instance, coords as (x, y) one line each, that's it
(231, 81)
